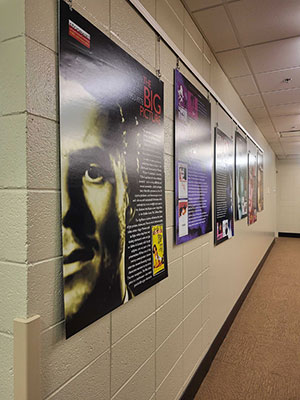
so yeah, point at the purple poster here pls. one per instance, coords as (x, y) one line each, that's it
(193, 161)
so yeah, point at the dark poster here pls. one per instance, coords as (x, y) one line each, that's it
(224, 228)
(252, 188)
(193, 166)
(241, 161)
(112, 158)
(260, 181)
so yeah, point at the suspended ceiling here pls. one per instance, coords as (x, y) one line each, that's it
(257, 43)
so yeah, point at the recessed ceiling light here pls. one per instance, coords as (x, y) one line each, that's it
(287, 80)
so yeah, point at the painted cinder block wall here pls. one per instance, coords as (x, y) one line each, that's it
(150, 347)
(288, 195)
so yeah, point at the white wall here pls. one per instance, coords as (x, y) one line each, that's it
(150, 347)
(288, 196)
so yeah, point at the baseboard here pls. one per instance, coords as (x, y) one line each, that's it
(203, 368)
(289, 234)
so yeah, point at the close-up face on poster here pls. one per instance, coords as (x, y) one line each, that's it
(241, 192)
(112, 173)
(252, 188)
(260, 181)
(193, 161)
(224, 221)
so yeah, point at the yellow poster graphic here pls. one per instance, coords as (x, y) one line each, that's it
(157, 249)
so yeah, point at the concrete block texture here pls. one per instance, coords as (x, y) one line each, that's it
(131, 352)
(63, 359)
(13, 233)
(13, 294)
(91, 383)
(44, 225)
(12, 22)
(6, 366)
(42, 153)
(13, 142)
(12, 82)
(41, 80)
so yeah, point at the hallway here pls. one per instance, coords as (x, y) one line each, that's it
(260, 357)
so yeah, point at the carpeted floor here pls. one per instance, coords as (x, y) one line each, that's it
(260, 357)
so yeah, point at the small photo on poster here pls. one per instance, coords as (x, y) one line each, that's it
(182, 181)
(183, 218)
(157, 249)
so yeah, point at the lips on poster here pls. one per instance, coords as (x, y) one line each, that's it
(193, 161)
(241, 192)
(252, 188)
(112, 173)
(224, 221)
(260, 181)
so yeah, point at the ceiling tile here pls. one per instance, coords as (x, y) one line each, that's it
(287, 122)
(222, 38)
(284, 109)
(264, 123)
(290, 139)
(260, 21)
(270, 136)
(271, 81)
(291, 147)
(244, 85)
(258, 112)
(233, 63)
(252, 101)
(195, 5)
(276, 146)
(282, 97)
(274, 56)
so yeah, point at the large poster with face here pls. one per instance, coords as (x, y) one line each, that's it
(112, 174)
(224, 228)
(252, 188)
(241, 160)
(260, 181)
(193, 161)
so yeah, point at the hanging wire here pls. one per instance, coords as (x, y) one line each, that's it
(158, 72)
(178, 63)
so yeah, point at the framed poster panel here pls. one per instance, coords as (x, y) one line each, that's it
(193, 161)
(241, 161)
(260, 181)
(252, 188)
(112, 173)
(224, 220)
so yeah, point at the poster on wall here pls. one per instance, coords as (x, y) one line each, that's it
(252, 188)
(260, 181)
(193, 161)
(224, 220)
(112, 173)
(241, 193)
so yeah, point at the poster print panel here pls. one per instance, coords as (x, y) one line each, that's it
(260, 181)
(193, 161)
(252, 188)
(112, 176)
(241, 192)
(224, 220)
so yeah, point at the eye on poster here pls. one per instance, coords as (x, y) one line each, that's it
(224, 221)
(260, 181)
(112, 173)
(252, 188)
(193, 166)
(241, 192)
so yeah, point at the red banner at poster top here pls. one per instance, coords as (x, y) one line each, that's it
(79, 34)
